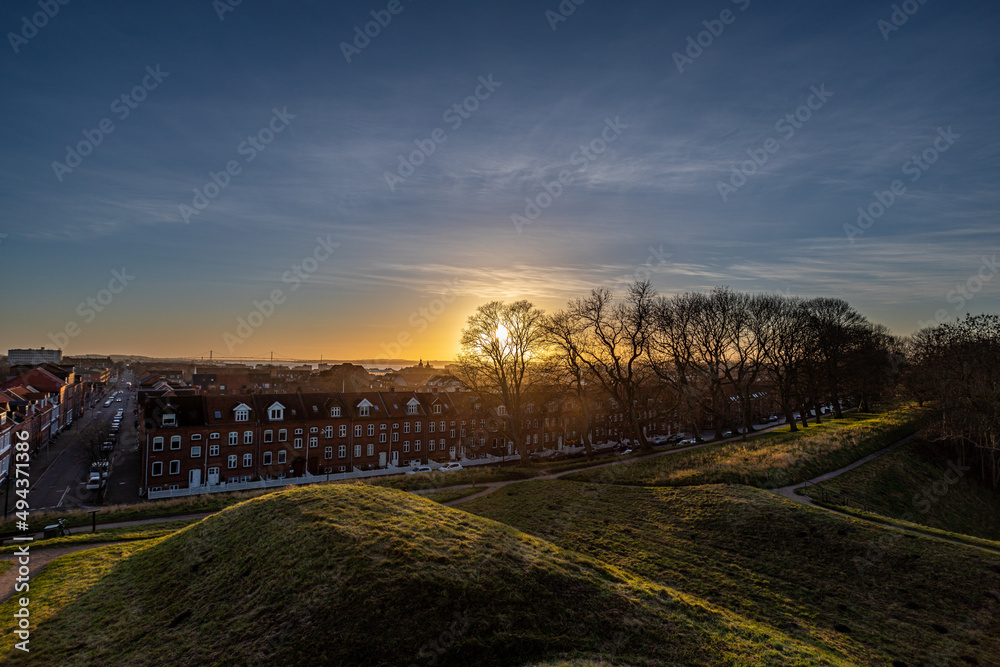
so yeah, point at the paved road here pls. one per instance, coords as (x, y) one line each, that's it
(59, 472)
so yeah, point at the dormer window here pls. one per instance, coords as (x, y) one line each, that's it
(363, 408)
(437, 408)
(276, 412)
(242, 412)
(411, 407)
(502, 410)
(335, 412)
(170, 419)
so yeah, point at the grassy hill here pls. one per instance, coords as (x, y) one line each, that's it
(920, 484)
(360, 575)
(769, 460)
(873, 596)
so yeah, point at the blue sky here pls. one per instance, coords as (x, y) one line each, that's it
(442, 240)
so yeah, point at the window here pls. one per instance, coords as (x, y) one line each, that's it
(218, 414)
(357, 451)
(406, 427)
(314, 429)
(362, 410)
(442, 427)
(298, 443)
(328, 431)
(266, 458)
(170, 420)
(234, 438)
(268, 434)
(416, 427)
(157, 444)
(213, 436)
(328, 452)
(343, 430)
(430, 446)
(430, 427)
(406, 446)
(335, 412)
(157, 468)
(247, 460)
(453, 423)
(381, 437)
(416, 446)
(437, 408)
(313, 441)
(282, 435)
(395, 437)
(502, 410)
(242, 413)
(358, 432)
(451, 433)
(371, 430)
(213, 471)
(196, 452)
(248, 437)
(175, 467)
(395, 426)
(298, 431)
(213, 450)
(196, 436)
(411, 409)
(371, 449)
(276, 412)
(282, 456)
(342, 451)
(233, 459)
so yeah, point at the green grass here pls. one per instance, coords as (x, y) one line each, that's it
(915, 483)
(438, 479)
(124, 534)
(872, 595)
(358, 575)
(154, 509)
(5, 565)
(62, 582)
(450, 494)
(920, 528)
(770, 460)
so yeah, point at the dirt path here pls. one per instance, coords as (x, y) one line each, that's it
(38, 560)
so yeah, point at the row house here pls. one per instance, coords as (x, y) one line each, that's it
(24, 410)
(57, 382)
(189, 441)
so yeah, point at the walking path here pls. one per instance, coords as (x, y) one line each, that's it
(39, 559)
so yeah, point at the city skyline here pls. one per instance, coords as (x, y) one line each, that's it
(168, 171)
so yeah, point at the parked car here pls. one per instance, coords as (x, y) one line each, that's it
(451, 466)
(419, 469)
(94, 481)
(677, 437)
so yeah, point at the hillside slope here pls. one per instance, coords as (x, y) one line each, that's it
(358, 575)
(873, 595)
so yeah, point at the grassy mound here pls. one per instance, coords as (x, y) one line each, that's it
(770, 460)
(872, 595)
(919, 484)
(360, 575)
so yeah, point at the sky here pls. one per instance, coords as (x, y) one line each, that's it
(188, 178)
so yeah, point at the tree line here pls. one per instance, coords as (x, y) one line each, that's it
(692, 355)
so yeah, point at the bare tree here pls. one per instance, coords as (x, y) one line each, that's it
(614, 349)
(504, 359)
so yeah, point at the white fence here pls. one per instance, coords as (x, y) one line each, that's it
(223, 487)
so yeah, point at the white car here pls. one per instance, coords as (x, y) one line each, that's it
(451, 466)
(94, 481)
(419, 469)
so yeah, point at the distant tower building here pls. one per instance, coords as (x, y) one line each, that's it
(33, 357)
